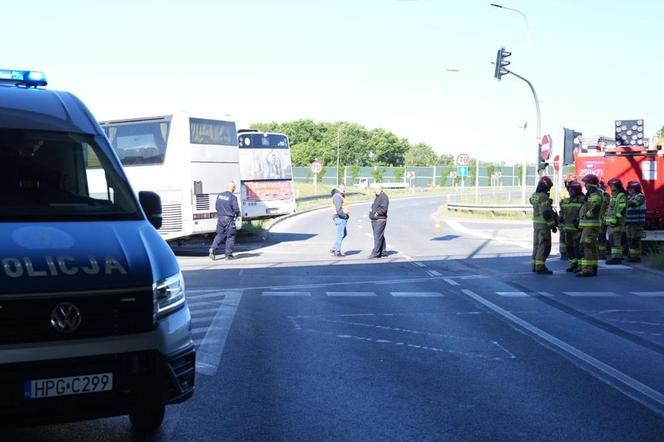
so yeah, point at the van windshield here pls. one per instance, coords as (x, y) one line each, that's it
(46, 176)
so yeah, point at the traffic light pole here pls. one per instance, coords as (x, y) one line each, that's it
(538, 134)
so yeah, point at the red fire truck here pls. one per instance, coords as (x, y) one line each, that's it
(644, 162)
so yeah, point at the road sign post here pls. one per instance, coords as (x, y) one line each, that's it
(462, 162)
(316, 168)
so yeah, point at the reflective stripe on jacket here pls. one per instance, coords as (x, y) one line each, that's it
(570, 208)
(542, 210)
(589, 212)
(636, 209)
(615, 214)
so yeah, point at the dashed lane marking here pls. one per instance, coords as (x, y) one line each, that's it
(434, 273)
(591, 294)
(208, 354)
(286, 294)
(649, 294)
(350, 294)
(419, 264)
(450, 281)
(622, 382)
(513, 294)
(416, 294)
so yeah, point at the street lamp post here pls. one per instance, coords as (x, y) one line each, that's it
(524, 170)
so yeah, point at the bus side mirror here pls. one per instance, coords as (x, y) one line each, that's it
(151, 203)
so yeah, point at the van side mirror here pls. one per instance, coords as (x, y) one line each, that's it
(151, 203)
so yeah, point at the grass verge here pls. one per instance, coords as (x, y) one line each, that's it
(655, 257)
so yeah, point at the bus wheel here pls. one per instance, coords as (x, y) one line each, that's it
(147, 418)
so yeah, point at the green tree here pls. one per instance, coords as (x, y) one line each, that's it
(378, 173)
(387, 148)
(445, 159)
(490, 170)
(354, 172)
(660, 133)
(420, 154)
(398, 174)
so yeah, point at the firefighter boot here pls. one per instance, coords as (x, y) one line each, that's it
(614, 261)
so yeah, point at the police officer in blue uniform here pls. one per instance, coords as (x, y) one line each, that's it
(227, 210)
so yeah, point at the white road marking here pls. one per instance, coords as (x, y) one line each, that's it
(208, 354)
(649, 294)
(513, 294)
(591, 294)
(545, 294)
(203, 305)
(419, 264)
(450, 281)
(206, 296)
(460, 228)
(434, 273)
(614, 267)
(623, 383)
(416, 294)
(286, 294)
(351, 294)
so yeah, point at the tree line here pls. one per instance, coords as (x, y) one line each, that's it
(358, 146)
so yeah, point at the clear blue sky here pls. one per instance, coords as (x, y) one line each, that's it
(381, 63)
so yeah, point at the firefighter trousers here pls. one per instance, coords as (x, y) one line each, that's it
(541, 246)
(572, 247)
(590, 259)
(634, 234)
(602, 243)
(616, 240)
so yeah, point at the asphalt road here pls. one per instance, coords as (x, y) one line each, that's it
(451, 337)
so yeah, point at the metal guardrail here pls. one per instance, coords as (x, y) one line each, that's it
(323, 196)
(492, 208)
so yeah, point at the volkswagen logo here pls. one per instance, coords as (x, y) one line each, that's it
(66, 318)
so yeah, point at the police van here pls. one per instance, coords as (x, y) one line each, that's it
(93, 316)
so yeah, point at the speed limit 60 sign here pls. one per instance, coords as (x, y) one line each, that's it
(463, 159)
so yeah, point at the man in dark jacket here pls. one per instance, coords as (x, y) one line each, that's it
(378, 216)
(227, 210)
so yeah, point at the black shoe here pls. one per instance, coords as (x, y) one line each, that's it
(563, 257)
(614, 261)
(211, 255)
(373, 256)
(230, 257)
(384, 255)
(585, 274)
(602, 256)
(544, 271)
(332, 252)
(572, 269)
(633, 259)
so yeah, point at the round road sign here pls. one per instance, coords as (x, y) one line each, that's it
(316, 167)
(410, 174)
(463, 159)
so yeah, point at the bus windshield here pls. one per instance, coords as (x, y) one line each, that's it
(264, 157)
(139, 142)
(60, 177)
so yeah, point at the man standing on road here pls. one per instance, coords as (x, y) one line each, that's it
(636, 219)
(340, 217)
(603, 245)
(589, 224)
(378, 216)
(615, 220)
(227, 210)
(544, 222)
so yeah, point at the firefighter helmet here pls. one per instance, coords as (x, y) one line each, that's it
(634, 185)
(617, 183)
(545, 182)
(574, 187)
(591, 179)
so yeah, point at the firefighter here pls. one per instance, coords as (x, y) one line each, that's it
(615, 220)
(544, 222)
(603, 246)
(589, 223)
(636, 219)
(562, 245)
(569, 220)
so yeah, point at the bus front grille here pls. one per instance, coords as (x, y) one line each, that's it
(171, 218)
(203, 202)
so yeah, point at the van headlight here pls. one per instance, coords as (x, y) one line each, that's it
(169, 294)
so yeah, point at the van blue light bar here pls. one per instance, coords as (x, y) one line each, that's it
(23, 78)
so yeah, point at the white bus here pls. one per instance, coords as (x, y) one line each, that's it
(266, 174)
(187, 159)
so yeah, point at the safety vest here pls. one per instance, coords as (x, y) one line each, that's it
(589, 212)
(542, 209)
(570, 208)
(636, 209)
(615, 214)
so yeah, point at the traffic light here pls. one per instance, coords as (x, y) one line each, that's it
(501, 63)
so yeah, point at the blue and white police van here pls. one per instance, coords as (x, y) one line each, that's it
(93, 316)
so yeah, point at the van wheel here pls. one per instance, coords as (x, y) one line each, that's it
(148, 418)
